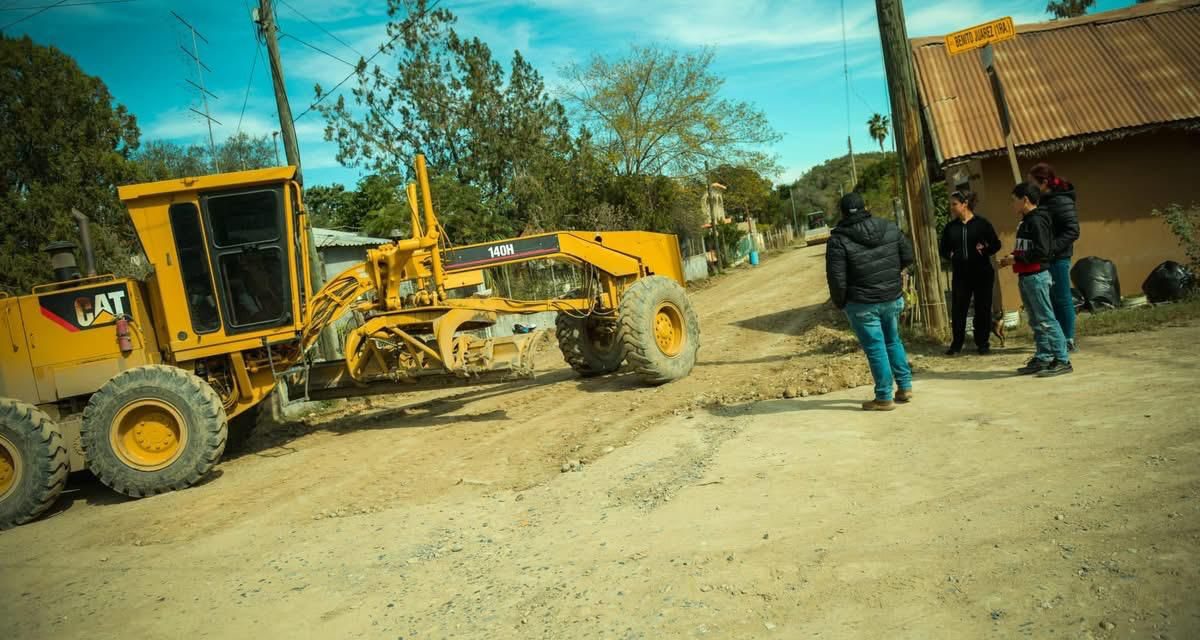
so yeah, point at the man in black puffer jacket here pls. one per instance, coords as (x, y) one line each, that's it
(863, 261)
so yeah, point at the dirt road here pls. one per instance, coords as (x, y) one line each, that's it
(993, 506)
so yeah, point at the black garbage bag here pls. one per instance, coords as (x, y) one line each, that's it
(1077, 298)
(1096, 279)
(1169, 282)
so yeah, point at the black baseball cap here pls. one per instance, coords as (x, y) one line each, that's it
(852, 203)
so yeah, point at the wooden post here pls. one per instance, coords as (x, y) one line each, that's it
(902, 89)
(987, 58)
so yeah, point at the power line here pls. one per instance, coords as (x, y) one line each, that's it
(319, 50)
(249, 84)
(323, 29)
(364, 63)
(35, 13)
(64, 6)
(258, 55)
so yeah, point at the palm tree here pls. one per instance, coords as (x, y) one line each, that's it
(878, 126)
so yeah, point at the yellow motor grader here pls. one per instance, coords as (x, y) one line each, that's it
(143, 381)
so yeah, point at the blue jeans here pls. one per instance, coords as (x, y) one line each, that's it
(1060, 296)
(877, 326)
(1047, 335)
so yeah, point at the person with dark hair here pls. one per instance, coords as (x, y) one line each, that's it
(1030, 260)
(863, 264)
(969, 241)
(1058, 199)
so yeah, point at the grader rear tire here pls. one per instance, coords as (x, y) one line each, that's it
(660, 329)
(153, 429)
(588, 345)
(33, 463)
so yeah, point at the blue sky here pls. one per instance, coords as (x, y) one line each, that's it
(783, 56)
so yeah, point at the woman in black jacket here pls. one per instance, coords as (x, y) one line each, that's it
(969, 241)
(1058, 199)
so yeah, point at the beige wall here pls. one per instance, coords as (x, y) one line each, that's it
(1118, 184)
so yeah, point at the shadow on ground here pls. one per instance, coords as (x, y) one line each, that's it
(795, 322)
(765, 407)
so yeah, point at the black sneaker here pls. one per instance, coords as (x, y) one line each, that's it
(953, 352)
(1071, 346)
(984, 351)
(1056, 368)
(1033, 366)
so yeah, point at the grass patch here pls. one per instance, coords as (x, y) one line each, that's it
(1138, 318)
(1088, 324)
(1132, 320)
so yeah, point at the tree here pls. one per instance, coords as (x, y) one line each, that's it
(163, 160)
(820, 188)
(379, 206)
(241, 152)
(330, 207)
(1068, 8)
(747, 194)
(66, 143)
(660, 112)
(500, 137)
(878, 126)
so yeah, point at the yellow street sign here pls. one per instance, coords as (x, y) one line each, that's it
(980, 35)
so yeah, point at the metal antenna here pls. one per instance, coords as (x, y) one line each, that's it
(194, 54)
(849, 129)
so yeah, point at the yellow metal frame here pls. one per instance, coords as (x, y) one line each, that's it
(396, 322)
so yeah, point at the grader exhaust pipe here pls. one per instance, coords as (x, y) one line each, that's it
(85, 240)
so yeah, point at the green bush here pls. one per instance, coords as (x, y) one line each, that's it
(1184, 222)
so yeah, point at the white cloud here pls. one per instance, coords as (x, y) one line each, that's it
(331, 11)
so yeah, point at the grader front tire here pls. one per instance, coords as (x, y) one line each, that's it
(660, 329)
(153, 429)
(33, 463)
(588, 345)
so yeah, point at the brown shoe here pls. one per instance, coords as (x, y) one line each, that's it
(878, 405)
(904, 395)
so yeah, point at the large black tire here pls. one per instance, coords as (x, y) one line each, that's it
(591, 345)
(33, 463)
(658, 353)
(153, 396)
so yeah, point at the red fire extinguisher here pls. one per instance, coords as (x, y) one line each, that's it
(123, 340)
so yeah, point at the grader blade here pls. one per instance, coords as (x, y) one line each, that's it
(490, 361)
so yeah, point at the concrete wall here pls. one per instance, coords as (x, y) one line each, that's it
(1118, 184)
(695, 267)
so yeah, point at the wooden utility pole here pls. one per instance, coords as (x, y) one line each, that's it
(267, 27)
(902, 89)
(291, 150)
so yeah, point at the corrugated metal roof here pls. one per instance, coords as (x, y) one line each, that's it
(1112, 71)
(335, 238)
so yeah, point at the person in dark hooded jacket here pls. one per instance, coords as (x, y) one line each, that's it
(1058, 200)
(863, 263)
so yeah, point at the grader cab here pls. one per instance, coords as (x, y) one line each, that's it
(144, 382)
